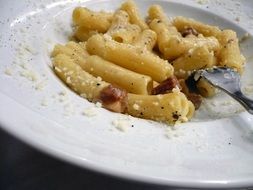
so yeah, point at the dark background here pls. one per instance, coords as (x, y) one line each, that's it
(24, 168)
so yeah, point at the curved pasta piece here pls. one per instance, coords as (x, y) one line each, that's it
(130, 57)
(133, 12)
(173, 45)
(172, 107)
(121, 30)
(97, 21)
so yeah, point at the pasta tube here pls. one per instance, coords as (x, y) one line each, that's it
(114, 63)
(182, 23)
(97, 21)
(195, 59)
(205, 88)
(77, 79)
(60, 49)
(124, 78)
(156, 12)
(74, 50)
(230, 55)
(83, 34)
(146, 40)
(78, 48)
(132, 10)
(171, 107)
(130, 81)
(121, 30)
(130, 57)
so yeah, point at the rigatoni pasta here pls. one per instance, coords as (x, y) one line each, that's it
(131, 81)
(77, 79)
(132, 10)
(146, 40)
(230, 55)
(156, 12)
(183, 23)
(141, 60)
(205, 88)
(121, 30)
(171, 107)
(195, 59)
(83, 34)
(98, 21)
(140, 67)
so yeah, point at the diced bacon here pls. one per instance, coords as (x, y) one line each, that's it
(114, 99)
(166, 86)
(196, 99)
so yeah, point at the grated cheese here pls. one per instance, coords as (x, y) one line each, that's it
(155, 103)
(107, 37)
(44, 102)
(69, 109)
(58, 69)
(68, 80)
(121, 124)
(248, 90)
(30, 75)
(136, 106)
(98, 105)
(245, 37)
(63, 97)
(8, 71)
(40, 86)
(176, 90)
(202, 2)
(89, 112)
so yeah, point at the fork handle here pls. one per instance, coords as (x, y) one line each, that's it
(246, 102)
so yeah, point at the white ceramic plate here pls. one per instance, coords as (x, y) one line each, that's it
(213, 150)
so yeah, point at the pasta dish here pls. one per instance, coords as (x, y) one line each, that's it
(140, 66)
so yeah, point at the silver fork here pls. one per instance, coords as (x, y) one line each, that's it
(225, 79)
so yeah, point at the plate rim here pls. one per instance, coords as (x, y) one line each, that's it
(114, 172)
(86, 164)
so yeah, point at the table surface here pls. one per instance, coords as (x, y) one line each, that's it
(24, 168)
